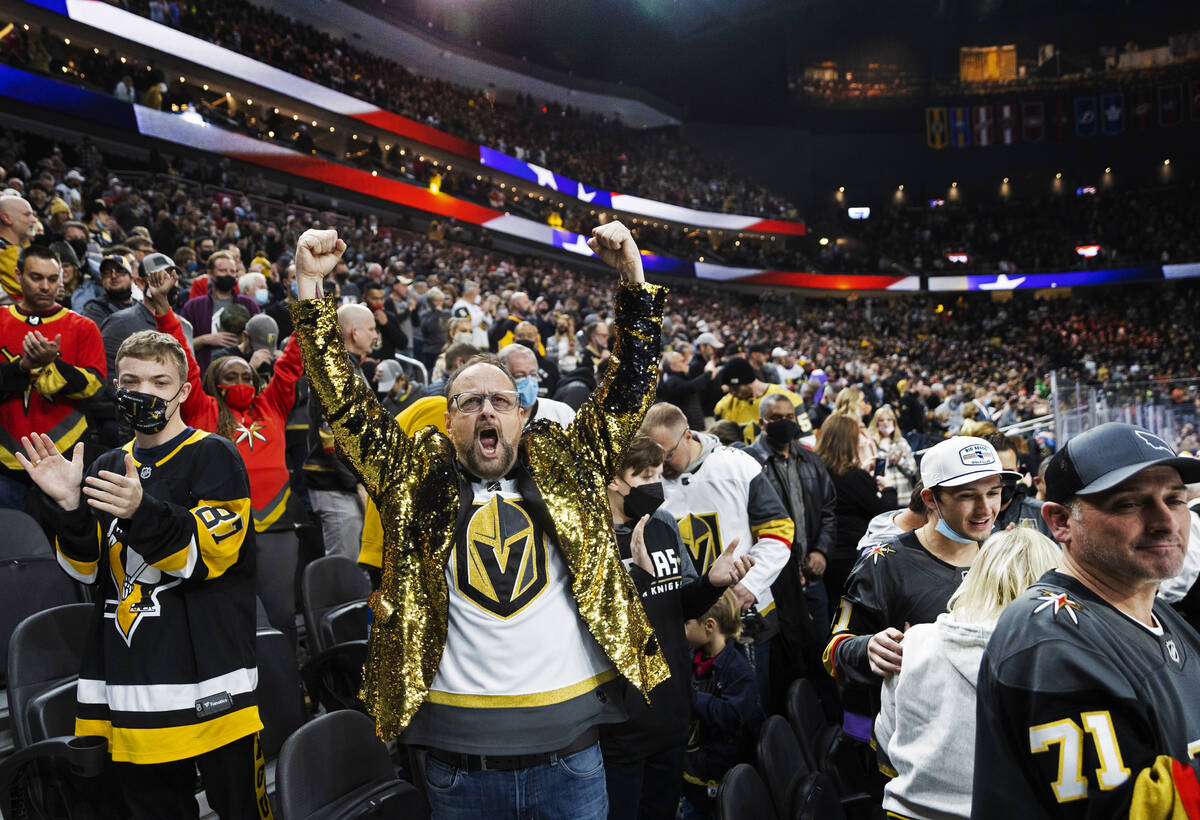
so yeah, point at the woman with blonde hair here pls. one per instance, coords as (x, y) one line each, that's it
(925, 730)
(852, 404)
(901, 466)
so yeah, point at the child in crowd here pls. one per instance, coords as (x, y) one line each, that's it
(726, 714)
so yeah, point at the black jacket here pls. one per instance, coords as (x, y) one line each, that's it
(391, 335)
(858, 501)
(819, 493)
(686, 393)
(672, 595)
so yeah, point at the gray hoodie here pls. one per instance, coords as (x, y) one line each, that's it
(926, 724)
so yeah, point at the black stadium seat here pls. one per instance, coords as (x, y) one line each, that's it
(44, 659)
(333, 594)
(280, 697)
(780, 762)
(334, 768)
(743, 796)
(29, 585)
(22, 537)
(816, 798)
(807, 719)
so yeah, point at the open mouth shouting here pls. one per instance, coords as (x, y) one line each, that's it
(487, 440)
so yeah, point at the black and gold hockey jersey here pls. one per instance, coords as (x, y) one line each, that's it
(895, 582)
(1080, 708)
(169, 671)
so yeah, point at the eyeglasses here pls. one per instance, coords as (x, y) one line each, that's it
(113, 273)
(503, 401)
(671, 452)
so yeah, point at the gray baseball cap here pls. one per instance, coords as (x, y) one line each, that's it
(1101, 458)
(263, 332)
(707, 338)
(154, 262)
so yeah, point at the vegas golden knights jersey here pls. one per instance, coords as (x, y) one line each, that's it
(518, 673)
(169, 670)
(725, 496)
(1084, 712)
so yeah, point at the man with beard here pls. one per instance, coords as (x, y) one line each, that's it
(505, 625)
(204, 312)
(116, 278)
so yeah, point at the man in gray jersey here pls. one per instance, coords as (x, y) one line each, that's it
(1088, 689)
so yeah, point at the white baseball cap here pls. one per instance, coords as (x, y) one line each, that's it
(961, 460)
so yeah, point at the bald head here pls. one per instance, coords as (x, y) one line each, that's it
(358, 328)
(17, 219)
(518, 359)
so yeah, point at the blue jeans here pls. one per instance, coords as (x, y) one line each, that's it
(566, 788)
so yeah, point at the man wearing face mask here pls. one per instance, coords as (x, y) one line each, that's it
(643, 757)
(116, 278)
(163, 530)
(909, 578)
(204, 312)
(53, 361)
(526, 335)
(523, 365)
(122, 324)
(804, 486)
(470, 305)
(1019, 506)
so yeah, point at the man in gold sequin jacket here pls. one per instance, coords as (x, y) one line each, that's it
(505, 625)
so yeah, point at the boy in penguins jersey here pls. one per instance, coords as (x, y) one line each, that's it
(1089, 690)
(163, 526)
(721, 500)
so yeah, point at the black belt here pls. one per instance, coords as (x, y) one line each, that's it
(508, 763)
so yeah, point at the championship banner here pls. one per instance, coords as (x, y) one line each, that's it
(1060, 120)
(1033, 121)
(1194, 90)
(960, 126)
(1112, 113)
(1170, 105)
(1007, 125)
(1143, 108)
(982, 125)
(936, 134)
(1086, 123)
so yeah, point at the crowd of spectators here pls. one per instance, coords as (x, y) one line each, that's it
(899, 374)
(598, 151)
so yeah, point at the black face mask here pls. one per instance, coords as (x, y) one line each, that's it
(80, 248)
(1010, 490)
(144, 412)
(225, 283)
(643, 500)
(173, 295)
(120, 295)
(782, 431)
(342, 277)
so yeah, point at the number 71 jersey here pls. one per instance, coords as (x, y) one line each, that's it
(1077, 702)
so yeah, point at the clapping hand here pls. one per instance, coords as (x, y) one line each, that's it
(728, 570)
(58, 478)
(39, 351)
(113, 493)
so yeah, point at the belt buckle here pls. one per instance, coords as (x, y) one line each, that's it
(483, 764)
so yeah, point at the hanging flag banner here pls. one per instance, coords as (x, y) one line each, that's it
(1085, 117)
(1033, 121)
(1143, 108)
(982, 125)
(960, 126)
(1007, 123)
(1112, 113)
(936, 135)
(1061, 119)
(1170, 105)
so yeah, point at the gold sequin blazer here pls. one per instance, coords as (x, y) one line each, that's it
(416, 483)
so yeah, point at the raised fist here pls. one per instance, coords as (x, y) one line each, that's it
(317, 253)
(614, 245)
